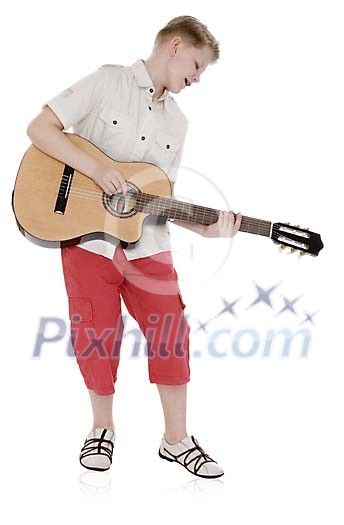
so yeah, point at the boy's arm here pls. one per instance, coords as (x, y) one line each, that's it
(63, 111)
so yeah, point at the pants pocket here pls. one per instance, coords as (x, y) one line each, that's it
(80, 309)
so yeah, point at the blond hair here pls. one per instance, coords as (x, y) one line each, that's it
(193, 31)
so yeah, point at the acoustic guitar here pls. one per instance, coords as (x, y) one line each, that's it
(52, 201)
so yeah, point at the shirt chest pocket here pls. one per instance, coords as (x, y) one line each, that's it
(165, 148)
(115, 133)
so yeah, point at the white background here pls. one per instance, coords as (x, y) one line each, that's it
(266, 129)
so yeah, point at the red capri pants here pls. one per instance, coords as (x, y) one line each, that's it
(149, 288)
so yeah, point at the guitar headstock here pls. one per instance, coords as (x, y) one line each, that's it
(296, 238)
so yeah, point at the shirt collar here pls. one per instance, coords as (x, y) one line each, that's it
(143, 79)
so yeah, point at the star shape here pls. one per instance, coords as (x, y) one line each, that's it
(228, 307)
(289, 305)
(264, 295)
(309, 317)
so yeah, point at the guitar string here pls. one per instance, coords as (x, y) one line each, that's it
(264, 226)
(95, 195)
(162, 207)
(208, 214)
(147, 197)
(250, 221)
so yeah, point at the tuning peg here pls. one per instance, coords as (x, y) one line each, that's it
(282, 247)
(292, 250)
(302, 253)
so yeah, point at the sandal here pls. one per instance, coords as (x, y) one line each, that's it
(96, 453)
(188, 453)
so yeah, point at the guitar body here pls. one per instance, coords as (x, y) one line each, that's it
(54, 202)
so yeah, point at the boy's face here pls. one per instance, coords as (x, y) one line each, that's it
(186, 64)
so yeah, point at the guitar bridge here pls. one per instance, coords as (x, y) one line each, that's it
(65, 184)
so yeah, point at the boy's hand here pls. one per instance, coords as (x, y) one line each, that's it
(225, 225)
(110, 180)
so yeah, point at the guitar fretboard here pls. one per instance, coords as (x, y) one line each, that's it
(184, 211)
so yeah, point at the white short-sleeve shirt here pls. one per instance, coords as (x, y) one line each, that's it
(113, 108)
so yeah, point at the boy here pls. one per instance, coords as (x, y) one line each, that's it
(128, 113)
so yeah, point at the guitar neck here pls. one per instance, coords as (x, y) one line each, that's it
(184, 211)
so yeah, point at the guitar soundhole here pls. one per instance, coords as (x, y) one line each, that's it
(121, 205)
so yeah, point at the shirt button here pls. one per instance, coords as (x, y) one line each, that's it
(114, 122)
(151, 90)
(150, 108)
(167, 146)
(143, 138)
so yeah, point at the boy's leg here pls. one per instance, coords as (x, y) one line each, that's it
(173, 400)
(102, 410)
(92, 284)
(152, 296)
